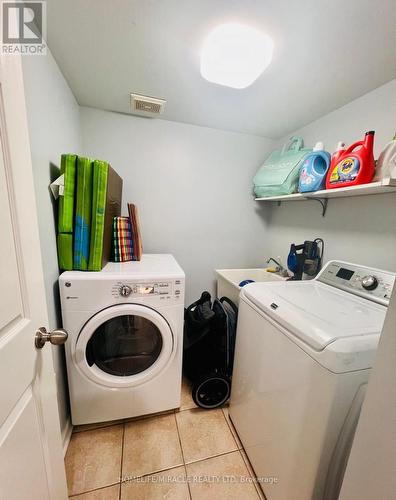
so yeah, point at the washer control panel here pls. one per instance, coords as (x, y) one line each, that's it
(372, 284)
(164, 290)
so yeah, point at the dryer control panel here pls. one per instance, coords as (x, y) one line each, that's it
(372, 284)
(82, 293)
(160, 289)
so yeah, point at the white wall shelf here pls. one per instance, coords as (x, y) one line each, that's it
(384, 186)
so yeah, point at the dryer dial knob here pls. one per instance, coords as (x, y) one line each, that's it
(125, 290)
(369, 282)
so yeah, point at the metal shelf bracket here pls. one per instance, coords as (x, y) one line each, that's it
(323, 202)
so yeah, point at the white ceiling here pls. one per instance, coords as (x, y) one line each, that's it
(326, 54)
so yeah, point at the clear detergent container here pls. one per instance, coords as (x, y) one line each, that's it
(314, 169)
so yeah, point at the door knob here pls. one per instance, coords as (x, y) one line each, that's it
(56, 337)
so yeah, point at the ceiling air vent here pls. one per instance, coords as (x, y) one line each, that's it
(147, 106)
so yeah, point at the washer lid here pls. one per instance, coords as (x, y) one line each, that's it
(317, 313)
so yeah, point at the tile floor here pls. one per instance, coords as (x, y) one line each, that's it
(183, 455)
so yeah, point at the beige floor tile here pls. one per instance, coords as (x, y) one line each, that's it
(221, 478)
(170, 484)
(109, 493)
(232, 428)
(252, 474)
(93, 459)
(149, 415)
(98, 425)
(151, 445)
(204, 433)
(186, 399)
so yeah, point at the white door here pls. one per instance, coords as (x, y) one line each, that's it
(31, 458)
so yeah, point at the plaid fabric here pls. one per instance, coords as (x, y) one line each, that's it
(122, 239)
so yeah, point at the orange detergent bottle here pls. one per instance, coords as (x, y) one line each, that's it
(353, 167)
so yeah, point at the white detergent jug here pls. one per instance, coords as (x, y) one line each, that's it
(386, 163)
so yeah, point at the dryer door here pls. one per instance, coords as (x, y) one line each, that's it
(124, 346)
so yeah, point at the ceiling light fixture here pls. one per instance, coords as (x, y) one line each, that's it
(235, 55)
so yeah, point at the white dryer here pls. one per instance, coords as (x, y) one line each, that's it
(303, 356)
(125, 325)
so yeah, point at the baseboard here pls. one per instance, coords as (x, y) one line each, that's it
(66, 435)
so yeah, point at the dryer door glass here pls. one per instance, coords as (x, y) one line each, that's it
(124, 345)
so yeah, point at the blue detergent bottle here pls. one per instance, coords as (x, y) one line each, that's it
(314, 169)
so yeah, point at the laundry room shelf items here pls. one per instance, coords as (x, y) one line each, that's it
(384, 186)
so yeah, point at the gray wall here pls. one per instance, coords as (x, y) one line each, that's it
(360, 229)
(54, 128)
(192, 186)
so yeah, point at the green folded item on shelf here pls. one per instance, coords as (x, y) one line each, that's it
(65, 251)
(106, 204)
(66, 201)
(82, 221)
(99, 183)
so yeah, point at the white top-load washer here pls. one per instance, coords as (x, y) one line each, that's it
(304, 350)
(125, 325)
